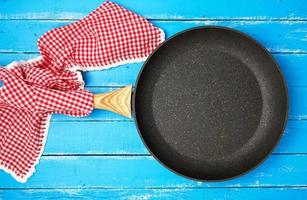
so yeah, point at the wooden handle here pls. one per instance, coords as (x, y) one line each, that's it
(118, 101)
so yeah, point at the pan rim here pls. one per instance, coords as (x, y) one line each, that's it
(256, 43)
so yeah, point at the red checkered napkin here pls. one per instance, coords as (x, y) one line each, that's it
(108, 37)
(33, 90)
(27, 99)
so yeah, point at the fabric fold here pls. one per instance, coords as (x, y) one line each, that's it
(52, 83)
(26, 108)
(110, 36)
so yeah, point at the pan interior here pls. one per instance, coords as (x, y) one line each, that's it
(205, 104)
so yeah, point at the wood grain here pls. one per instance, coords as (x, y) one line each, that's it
(118, 101)
(292, 65)
(146, 172)
(182, 193)
(292, 34)
(121, 138)
(160, 9)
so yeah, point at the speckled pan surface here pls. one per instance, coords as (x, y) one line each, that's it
(210, 103)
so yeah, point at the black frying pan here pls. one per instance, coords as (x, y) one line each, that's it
(210, 103)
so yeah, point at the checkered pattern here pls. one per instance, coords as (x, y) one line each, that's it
(33, 97)
(33, 90)
(109, 36)
(25, 107)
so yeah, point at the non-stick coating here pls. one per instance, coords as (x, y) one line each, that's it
(210, 103)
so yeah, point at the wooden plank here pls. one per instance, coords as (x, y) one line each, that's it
(94, 138)
(293, 139)
(144, 171)
(293, 67)
(21, 35)
(297, 103)
(121, 138)
(176, 193)
(158, 9)
(7, 58)
(297, 107)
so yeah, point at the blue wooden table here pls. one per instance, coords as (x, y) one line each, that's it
(101, 156)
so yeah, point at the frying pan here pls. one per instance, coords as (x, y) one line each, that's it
(210, 103)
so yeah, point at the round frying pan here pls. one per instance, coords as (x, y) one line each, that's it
(209, 104)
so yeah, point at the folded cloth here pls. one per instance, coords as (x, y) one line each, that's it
(109, 36)
(33, 90)
(25, 109)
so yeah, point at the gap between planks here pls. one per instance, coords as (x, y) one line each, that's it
(173, 19)
(37, 53)
(158, 188)
(142, 155)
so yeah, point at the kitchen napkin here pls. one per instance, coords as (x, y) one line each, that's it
(110, 36)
